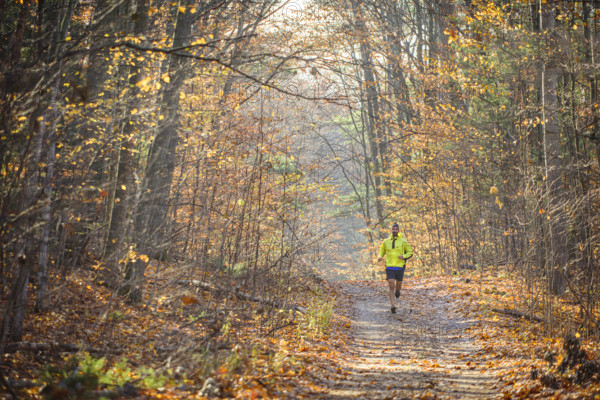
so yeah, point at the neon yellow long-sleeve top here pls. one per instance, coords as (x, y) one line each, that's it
(392, 248)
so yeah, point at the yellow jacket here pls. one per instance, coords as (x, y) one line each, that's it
(391, 248)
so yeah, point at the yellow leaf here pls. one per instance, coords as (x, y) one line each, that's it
(123, 187)
(182, 9)
(144, 81)
(559, 359)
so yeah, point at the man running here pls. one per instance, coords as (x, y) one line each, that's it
(396, 251)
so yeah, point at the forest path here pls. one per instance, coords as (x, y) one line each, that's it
(422, 351)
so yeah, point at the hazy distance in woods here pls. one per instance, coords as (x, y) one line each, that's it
(272, 140)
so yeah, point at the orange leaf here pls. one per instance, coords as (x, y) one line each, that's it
(187, 300)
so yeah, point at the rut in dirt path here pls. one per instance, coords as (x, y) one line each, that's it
(422, 351)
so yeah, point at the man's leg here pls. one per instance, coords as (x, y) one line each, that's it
(398, 284)
(392, 286)
(390, 275)
(398, 288)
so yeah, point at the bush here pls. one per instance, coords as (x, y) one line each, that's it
(317, 321)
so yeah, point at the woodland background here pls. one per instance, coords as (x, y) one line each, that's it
(253, 147)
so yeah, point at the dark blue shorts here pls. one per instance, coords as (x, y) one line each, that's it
(397, 274)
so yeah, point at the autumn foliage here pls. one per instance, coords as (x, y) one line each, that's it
(178, 179)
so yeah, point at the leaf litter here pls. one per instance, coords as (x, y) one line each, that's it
(444, 342)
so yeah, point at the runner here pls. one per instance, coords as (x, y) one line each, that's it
(396, 251)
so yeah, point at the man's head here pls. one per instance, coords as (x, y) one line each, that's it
(395, 229)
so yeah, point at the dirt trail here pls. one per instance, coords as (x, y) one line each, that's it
(422, 351)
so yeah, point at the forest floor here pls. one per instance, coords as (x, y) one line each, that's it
(447, 340)
(422, 351)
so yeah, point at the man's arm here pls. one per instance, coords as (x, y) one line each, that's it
(408, 252)
(381, 251)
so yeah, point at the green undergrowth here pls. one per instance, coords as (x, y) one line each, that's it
(84, 372)
(316, 323)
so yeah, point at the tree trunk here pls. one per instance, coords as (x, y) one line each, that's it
(2, 7)
(558, 250)
(15, 43)
(51, 114)
(124, 188)
(12, 321)
(19, 299)
(42, 272)
(105, 24)
(16, 306)
(371, 105)
(107, 19)
(151, 221)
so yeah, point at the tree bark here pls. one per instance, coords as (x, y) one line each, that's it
(51, 114)
(372, 108)
(558, 249)
(42, 270)
(16, 306)
(124, 188)
(15, 43)
(18, 298)
(10, 328)
(105, 23)
(151, 220)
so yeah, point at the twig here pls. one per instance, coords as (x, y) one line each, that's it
(280, 327)
(60, 347)
(517, 314)
(24, 384)
(243, 296)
